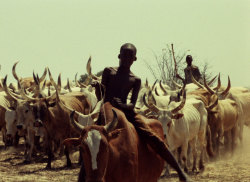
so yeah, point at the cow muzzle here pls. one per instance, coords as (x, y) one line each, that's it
(19, 127)
(38, 123)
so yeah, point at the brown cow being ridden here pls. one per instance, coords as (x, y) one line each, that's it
(115, 152)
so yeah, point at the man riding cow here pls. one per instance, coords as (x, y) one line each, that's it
(118, 82)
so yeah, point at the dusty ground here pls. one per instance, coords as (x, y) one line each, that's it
(12, 168)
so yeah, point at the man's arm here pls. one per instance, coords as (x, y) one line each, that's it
(135, 92)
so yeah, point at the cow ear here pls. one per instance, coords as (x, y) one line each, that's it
(177, 116)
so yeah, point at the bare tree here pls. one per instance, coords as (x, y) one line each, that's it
(164, 67)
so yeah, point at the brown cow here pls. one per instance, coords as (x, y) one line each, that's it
(114, 152)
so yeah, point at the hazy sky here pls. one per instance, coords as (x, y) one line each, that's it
(62, 34)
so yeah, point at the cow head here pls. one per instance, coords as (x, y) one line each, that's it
(220, 92)
(166, 115)
(24, 115)
(213, 111)
(10, 119)
(95, 147)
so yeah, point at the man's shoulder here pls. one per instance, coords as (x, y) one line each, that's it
(189, 67)
(110, 69)
(195, 67)
(133, 75)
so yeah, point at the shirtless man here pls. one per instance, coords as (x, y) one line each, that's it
(118, 83)
(191, 69)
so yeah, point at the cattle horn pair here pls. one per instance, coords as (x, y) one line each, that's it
(17, 78)
(163, 89)
(224, 92)
(8, 92)
(108, 127)
(153, 107)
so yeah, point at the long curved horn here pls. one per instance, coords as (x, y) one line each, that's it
(228, 87)
(35, 78)
(162, 88)
(88, 67)
(14, 71)
(211, 81)
(207, 87)
(183, 101)
(144, 100)
(68, 85)
(112, 125)
(51, 79)
(212, 105)
(176, 84)
(8, 92)
(146, 84)
(59, 82)
(38, 84)
(219, 83)
(44, 85)
(151, 98)
(156, 92)
(154, 84)
(76, 125)
(76, 81)
(152, 106)
(43, 76)
(195, 82)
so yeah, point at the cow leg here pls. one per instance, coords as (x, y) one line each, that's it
(202, 142)
(16, 139)
(82, 174)
(30, 145)
(49, 151)
(240, 125)
(66, 152)
(166, 173)
(192, 144)
(184, 155)
(233, 138)
(37, 142)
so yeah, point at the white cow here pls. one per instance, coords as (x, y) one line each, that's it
(184, 123)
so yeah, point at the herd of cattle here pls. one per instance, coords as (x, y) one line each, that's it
(52, 117)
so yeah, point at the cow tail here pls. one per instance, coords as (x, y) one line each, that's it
(209, 142)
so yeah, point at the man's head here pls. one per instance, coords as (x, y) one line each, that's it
(127, 55)
(189, 60)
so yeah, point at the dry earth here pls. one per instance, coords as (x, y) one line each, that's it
(12, 168)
